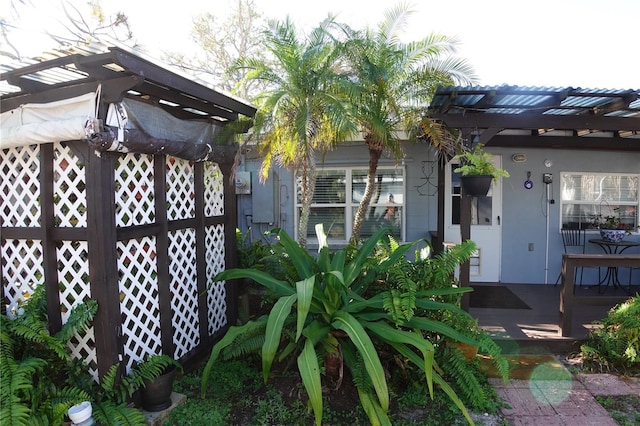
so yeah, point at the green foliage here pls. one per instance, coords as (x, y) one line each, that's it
(468, 381)
(478, 162)
(251, 254)
(38, 379)
(116, 389)
(390, 79)
(234, 382)
(339, 303)
(152, 367)
(625, 409)
(302, 112)
(436, 274)
(616, 345)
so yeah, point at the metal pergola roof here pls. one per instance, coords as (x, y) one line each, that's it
(542, 117)
(121, 72)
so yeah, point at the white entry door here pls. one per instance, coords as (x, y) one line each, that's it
(485, 225)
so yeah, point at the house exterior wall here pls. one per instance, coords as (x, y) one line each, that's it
(524, 211)
(421, 173)
(524, 221)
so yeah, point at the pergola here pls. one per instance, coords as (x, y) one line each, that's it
(534, 117)
(537, 117)
(139, 217)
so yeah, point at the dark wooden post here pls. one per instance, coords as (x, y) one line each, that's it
(103, 264)
(230, 225)
(201, 256)
(49, 252)
(162, 253)
(465, 234)
(441, 203)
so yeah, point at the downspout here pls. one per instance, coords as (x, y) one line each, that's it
(546, 244)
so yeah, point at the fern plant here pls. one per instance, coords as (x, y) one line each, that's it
(336, 307)
(616, 345)
(38, 379)
(407, 279)
(116, 390)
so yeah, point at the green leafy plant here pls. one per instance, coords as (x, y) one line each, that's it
(616, 345)
(116, 390)
(478, 162)
(334, 310)
(405, 279)
(251, 254)
(612, 221)
(38, 379)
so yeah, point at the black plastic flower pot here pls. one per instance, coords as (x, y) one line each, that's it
(476, 185)
(156, 395)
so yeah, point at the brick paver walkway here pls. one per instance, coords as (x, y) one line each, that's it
(554, 397)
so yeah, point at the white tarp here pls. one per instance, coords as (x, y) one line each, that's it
(47, 122)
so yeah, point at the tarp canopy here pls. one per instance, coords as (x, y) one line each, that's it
(154, 108)
(58, 121)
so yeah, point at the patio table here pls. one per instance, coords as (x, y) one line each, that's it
(610, 247)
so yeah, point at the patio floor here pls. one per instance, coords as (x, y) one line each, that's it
(535, 330)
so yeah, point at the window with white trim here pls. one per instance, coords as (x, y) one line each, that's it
(337, 194)
(584, 196)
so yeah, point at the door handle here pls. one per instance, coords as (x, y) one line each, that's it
(498, 218)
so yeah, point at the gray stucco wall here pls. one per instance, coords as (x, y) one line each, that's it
(524, 211)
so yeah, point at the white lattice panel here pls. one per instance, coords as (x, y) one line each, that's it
(73, 276)
(138, 271)
(216, 300)
(134, 190)
(20, 186)
(184, 291)
(21, 268)
(70, 202)
(213, 190)
(180, 189)
(84, 348)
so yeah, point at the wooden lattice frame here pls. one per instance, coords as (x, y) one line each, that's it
(162, 234)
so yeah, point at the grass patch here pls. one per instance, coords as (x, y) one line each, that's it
(236, 394)
(625, 409)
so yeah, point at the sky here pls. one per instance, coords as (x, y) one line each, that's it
(593, 44)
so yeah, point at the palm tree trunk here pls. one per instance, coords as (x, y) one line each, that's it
(308, 184)
(375, 152)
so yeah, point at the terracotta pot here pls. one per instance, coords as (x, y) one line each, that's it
(156, 395)
(469, 351)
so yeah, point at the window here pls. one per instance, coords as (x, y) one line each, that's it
(587, 195)
(338, 193)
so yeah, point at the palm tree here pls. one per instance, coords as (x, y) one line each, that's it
(393, 81)
(302, 112)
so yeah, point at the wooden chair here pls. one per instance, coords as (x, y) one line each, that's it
(574, 241)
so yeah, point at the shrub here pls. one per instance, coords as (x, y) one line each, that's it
(38, 379)
(616, 345)
(334, 308)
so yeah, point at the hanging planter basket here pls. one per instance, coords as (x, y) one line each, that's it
(476, 185)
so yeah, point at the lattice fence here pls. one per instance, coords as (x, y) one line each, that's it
(137, 258)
